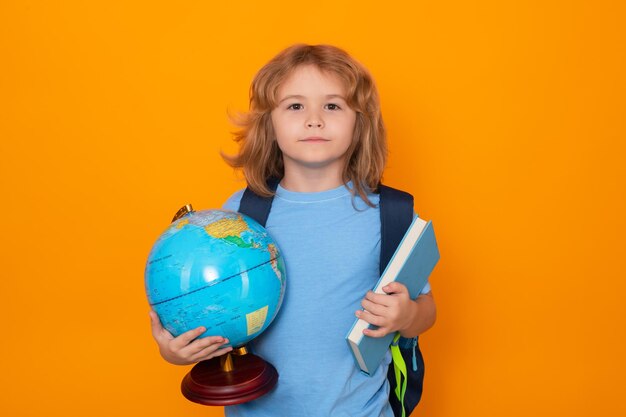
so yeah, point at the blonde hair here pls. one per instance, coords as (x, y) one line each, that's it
(259, 156)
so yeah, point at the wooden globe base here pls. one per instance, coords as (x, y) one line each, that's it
(229, 380)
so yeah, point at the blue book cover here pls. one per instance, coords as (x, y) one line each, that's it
(413, 261)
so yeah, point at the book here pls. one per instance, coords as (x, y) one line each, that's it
(411, 264)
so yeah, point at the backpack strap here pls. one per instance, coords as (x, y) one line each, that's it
(400, 372)
(256, 206)
(396, 215)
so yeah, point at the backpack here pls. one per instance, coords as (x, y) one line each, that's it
(396, 215)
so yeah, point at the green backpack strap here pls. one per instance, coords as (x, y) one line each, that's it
(400, 370)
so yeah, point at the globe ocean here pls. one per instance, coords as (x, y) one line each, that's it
(218, 269)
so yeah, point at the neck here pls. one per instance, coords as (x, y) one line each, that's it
(311, 180)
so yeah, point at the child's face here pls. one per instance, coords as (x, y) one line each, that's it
(312, 122)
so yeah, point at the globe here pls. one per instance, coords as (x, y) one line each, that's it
(218, 269)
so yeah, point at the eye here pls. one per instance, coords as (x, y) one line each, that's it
(333, 106)
(295, 106)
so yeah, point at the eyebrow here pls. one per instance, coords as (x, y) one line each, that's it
(298, 96)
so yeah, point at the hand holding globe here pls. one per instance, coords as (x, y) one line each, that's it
(216, 280)
(187, 348)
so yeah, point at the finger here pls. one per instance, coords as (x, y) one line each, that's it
(187, 337)
(380, 332)
(381, 299)
(211, 352)
(374, 308)
(371, 318)
(155, 324)
(198, 345)
(158, 331)
(201, 344)
(395, 288)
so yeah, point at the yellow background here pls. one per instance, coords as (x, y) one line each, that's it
(506, 121)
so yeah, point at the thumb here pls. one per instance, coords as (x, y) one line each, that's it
(157, 327)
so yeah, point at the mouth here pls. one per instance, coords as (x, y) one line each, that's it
(314, 139)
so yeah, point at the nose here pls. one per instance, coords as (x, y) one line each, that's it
(314, 120)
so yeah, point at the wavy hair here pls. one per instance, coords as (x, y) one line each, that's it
(259, 156)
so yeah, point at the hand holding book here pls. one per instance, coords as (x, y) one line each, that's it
(390, 312)
(411, 264)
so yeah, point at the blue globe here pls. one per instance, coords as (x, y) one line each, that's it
(218, 269)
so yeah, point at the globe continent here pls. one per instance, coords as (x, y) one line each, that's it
(218, 269)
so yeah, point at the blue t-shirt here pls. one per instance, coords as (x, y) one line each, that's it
(331, 253)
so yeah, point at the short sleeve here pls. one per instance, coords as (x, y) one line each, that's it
(233, 201)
